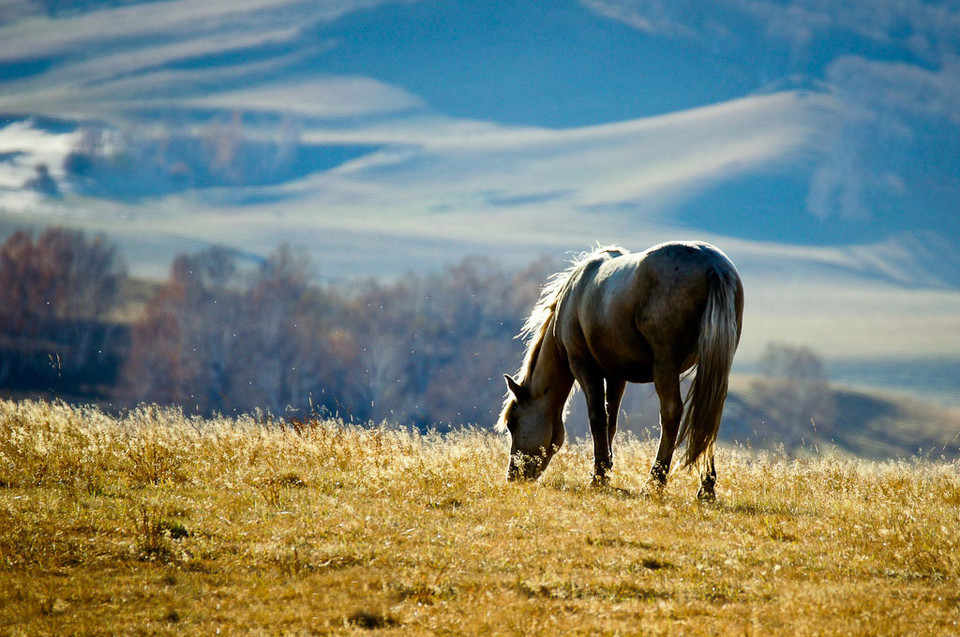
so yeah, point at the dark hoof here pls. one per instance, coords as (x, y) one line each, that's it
(706, 496)
(599, 481)
(653, 489)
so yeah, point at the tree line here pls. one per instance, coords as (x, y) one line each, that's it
(225, 335)
(221, 335)
(56, 294)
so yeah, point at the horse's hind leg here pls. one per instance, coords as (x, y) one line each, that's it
(708, 481)
(667, 383)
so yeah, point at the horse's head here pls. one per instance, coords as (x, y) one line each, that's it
(536, 432)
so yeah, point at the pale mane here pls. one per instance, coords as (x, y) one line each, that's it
(535, 327)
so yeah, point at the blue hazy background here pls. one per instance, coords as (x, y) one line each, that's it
(817, 143)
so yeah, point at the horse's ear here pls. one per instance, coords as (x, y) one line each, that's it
(515, 388)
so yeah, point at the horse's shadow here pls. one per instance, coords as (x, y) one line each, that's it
(583, 488)
(642, 494)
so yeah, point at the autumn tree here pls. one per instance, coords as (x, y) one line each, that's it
(220, 338)
(184, 343)
(56, 293)
(434, 347)
(423, 350)
(297, 348)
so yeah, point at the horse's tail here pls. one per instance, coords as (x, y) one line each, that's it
(719, 336)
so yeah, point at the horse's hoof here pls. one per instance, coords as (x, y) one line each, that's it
(599, 482)
(706, 496)
(653, 489)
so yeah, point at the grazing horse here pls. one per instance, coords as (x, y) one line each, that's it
(616, 317)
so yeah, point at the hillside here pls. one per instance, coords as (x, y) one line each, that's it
(163, 524)
(863, 423)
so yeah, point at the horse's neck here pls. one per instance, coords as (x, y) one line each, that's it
(550, 377)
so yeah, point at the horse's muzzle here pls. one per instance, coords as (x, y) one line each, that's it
(524, 467)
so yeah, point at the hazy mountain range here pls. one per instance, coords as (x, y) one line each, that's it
(817, 143)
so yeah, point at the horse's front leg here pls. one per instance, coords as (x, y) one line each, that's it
(615, 390)
(593, 390)
(667, 383)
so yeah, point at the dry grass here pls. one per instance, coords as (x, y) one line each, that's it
(160, 523)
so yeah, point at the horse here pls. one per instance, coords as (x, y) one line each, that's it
(615, 317)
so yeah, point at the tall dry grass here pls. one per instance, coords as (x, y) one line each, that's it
(157, 522)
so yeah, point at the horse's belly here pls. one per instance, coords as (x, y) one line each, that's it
(637, 374)
(628, 358)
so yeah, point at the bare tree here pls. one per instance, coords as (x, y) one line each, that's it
(426, 350)
(184, 344)
(56, 293)
(794, 392)
(282, 349)
(215, 338)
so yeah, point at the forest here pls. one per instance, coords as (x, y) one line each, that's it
(230, 336)
(226, 334)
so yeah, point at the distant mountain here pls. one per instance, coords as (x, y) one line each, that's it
(866, 425)
(818, 143)
(863, 424)
(882, 160)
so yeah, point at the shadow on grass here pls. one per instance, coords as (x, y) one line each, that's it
(371, 620)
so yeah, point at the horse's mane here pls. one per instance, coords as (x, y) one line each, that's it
(535, 327)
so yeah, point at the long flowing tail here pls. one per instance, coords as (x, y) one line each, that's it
(719, 336)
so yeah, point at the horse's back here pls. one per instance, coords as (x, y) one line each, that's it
(670, 275)
(683, 257)
(633, 306)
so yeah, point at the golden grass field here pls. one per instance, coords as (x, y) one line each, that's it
(158, 523)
